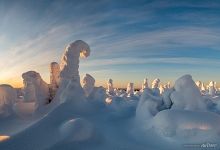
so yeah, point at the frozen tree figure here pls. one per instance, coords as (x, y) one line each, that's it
(186, 95)
(162, 89)
(54, 78)
(69, 74)
(144, 85)
(215, 86)
(199, 84)
(130, 89)
(203, 87)
(8, 96)
(54, 75)
(155, 87)
(211, 88)
(35, 89)
(70, 60)
(88, 83)
(168, 85)
(110, 87)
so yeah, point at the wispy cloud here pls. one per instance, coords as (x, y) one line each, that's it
(119, 34)
(169, 60)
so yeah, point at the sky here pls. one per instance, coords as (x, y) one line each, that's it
(129, 39)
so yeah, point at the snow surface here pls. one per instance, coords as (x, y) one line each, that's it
(88, 117)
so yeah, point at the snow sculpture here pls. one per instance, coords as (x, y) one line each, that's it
(69, 76)
(215, 86)
(212, 89)
(155, 85)
(35, 89)
(199, 84)
(130, 89)
(186, 95)
(168, 85)
(8, 97)
(162, 89)
(110, 88)
(70, 60)
(54, 79)
(54, 75)
(88, 84)
(147, 107)
(203, 89)
(144, 85)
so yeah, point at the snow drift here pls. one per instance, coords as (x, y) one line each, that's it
(8, 97)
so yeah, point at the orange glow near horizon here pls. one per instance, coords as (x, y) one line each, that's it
(4, 137)
(16, 83)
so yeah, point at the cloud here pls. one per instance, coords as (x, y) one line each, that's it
(169, 60)
(118, 33)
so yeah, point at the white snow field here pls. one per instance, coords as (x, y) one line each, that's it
(65, 115)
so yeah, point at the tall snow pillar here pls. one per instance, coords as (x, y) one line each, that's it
(69, 66)
(110, 87)
(145, 84)
(54, 75)
(155, 86)
(130, 89)
(88, 84)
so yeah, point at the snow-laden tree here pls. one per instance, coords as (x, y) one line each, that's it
(155, 86)
(54, 75)
(88, 84)
(69, 65)
(144, 84)
(110, 87)
(130, 89)
(8, 97)
(35, 89)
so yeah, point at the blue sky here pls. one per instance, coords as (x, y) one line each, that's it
(130, 40)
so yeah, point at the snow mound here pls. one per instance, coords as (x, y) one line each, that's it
(147, 107)
(88, 83)
(35, 89)
(188, 126)
(24, 109)
(8, 97)
(186, 95)
(97, 97)
(76, 130)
